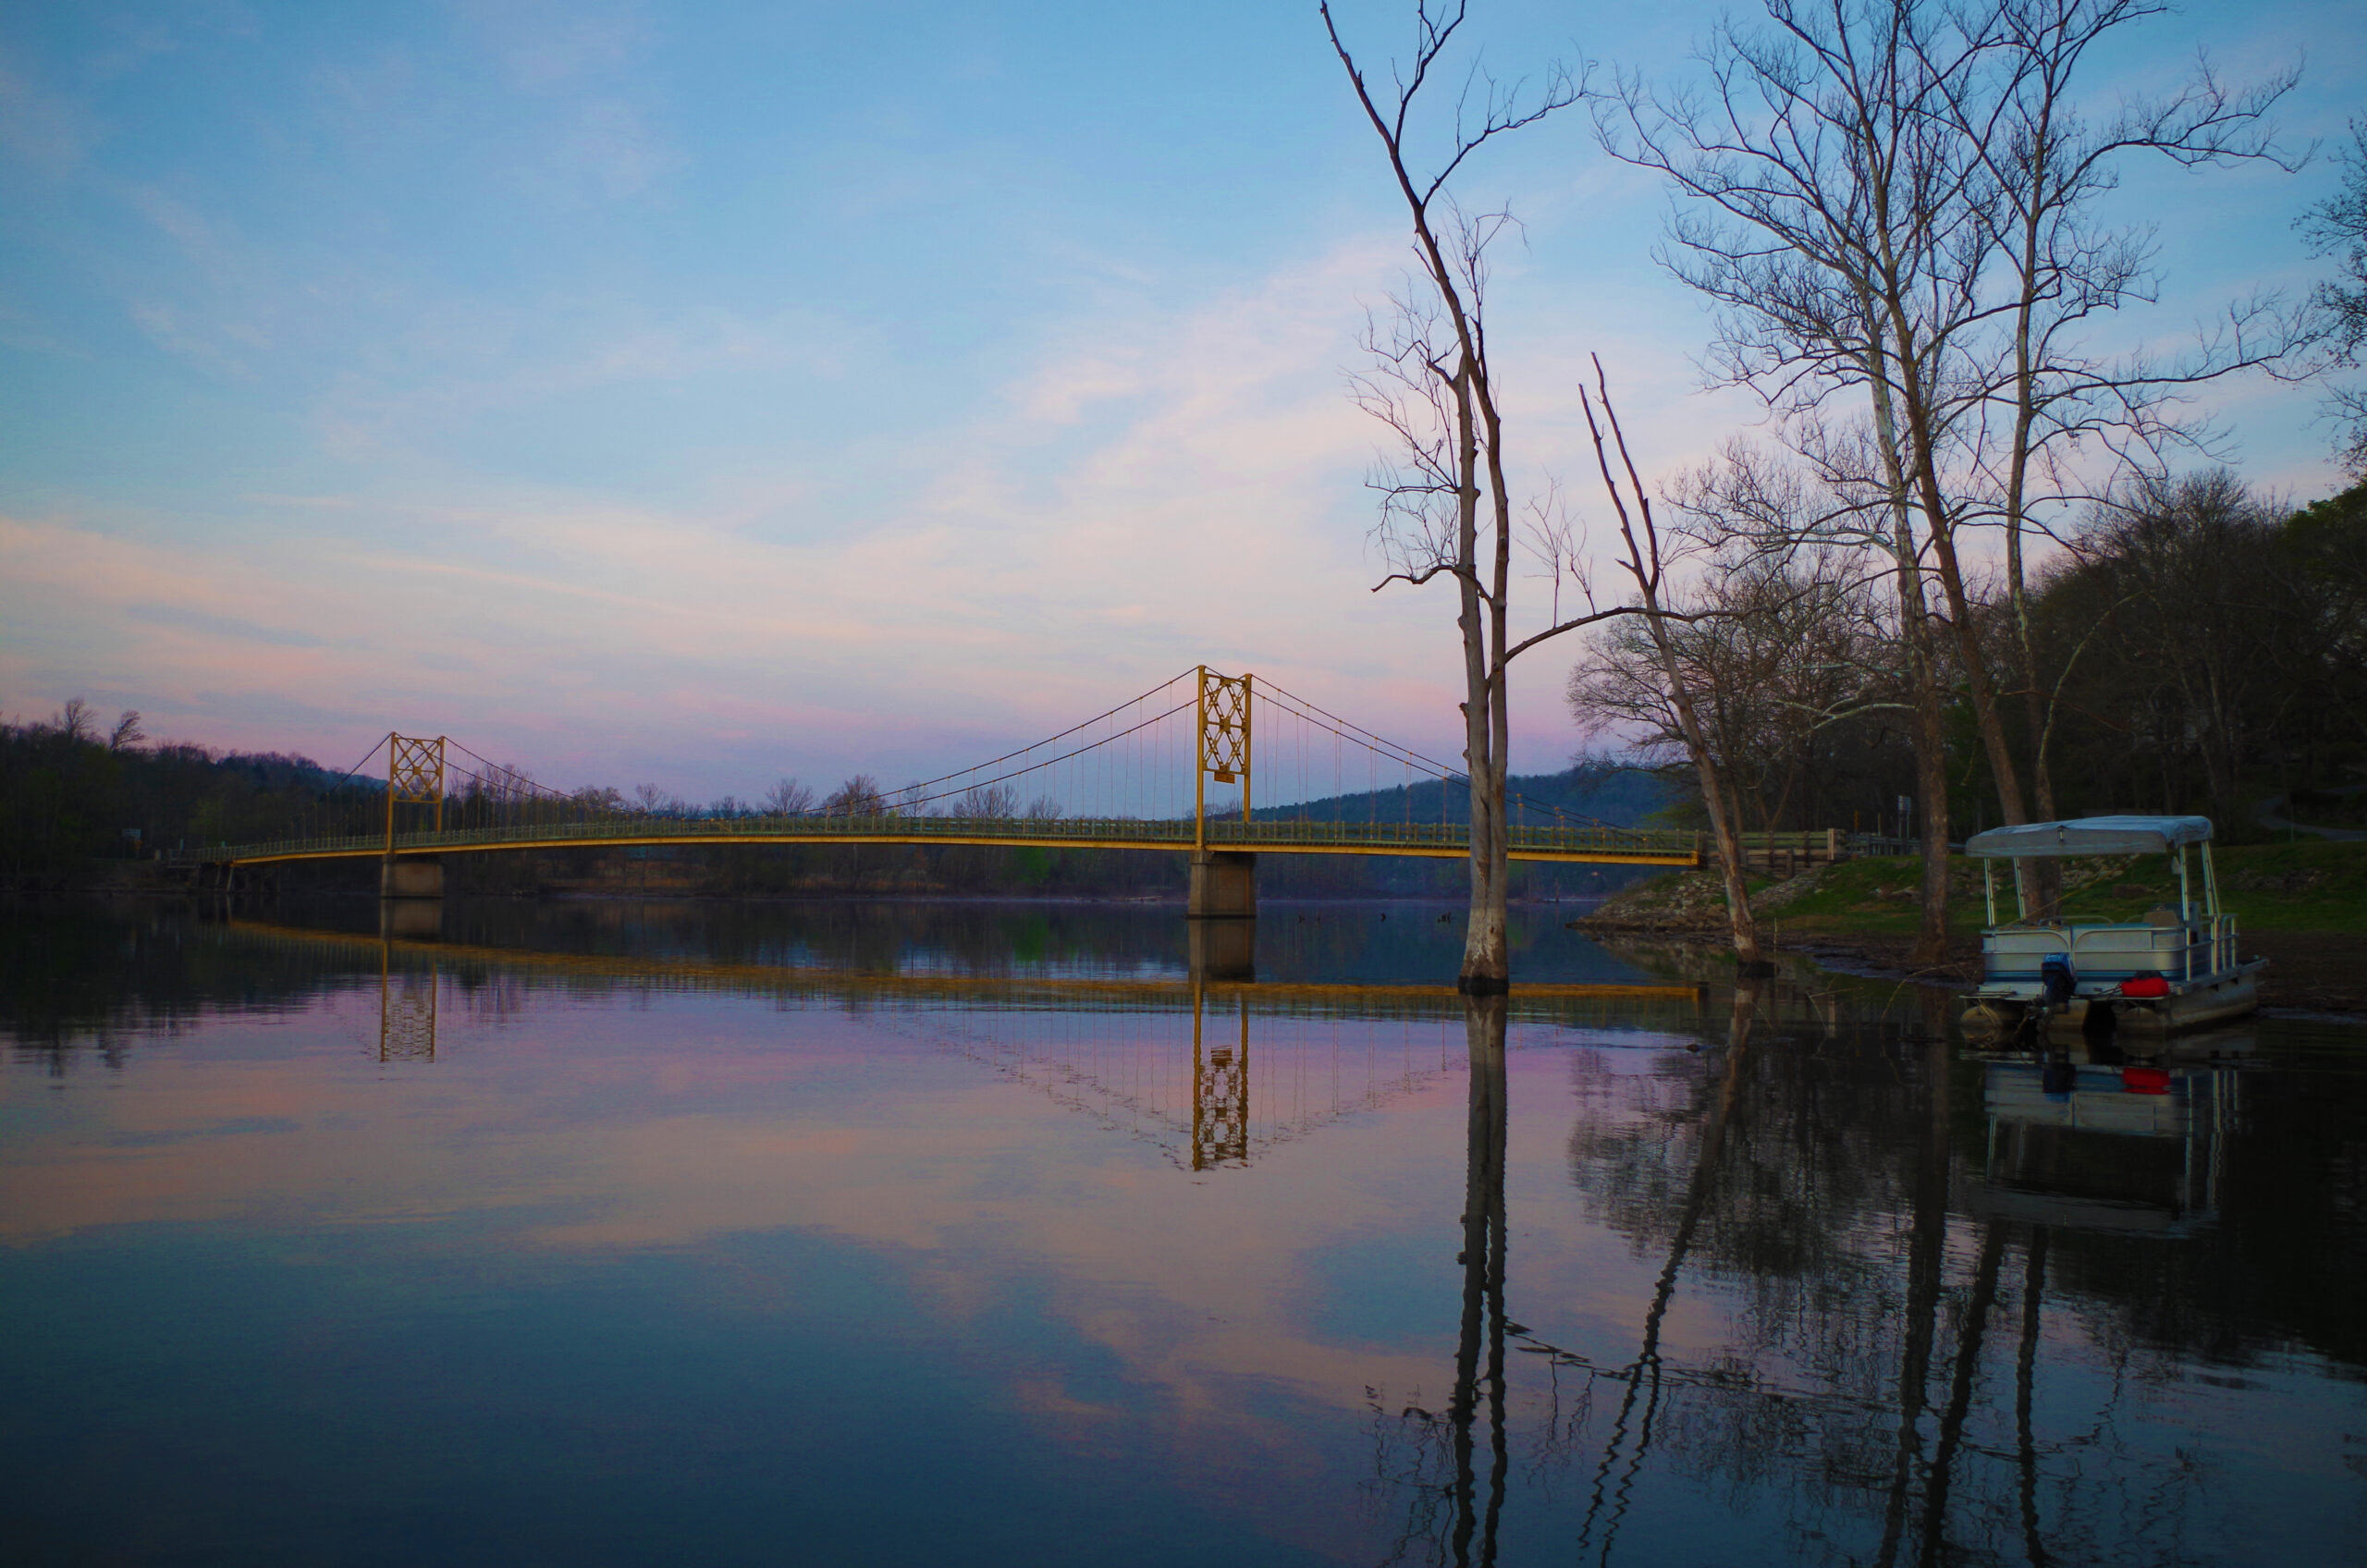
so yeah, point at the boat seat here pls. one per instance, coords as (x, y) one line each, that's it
(2163, 914)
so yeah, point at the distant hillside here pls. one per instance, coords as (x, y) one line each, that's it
(1621, 799)
(68, 799)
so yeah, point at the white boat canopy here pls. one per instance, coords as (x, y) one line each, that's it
(2093, 836)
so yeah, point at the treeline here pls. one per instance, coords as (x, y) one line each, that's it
(1592, 791)
(71, 796)
(2195, 648)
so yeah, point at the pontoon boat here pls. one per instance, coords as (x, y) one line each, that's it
(2173, 968)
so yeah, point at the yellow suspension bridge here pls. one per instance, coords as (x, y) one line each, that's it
(1171, 769)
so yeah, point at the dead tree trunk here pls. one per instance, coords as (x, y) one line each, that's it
(1643, 561)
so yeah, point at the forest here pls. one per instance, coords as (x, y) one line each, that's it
(2196, 648)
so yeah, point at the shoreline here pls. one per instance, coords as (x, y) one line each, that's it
(2310, 973)
(2303, 907)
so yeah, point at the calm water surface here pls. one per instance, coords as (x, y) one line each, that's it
(595, 1233)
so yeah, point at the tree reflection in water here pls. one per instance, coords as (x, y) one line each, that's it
(1646, 1371)
(1432, 1457)
(1889, 1380)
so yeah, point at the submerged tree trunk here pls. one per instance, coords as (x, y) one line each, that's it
(1487, 953)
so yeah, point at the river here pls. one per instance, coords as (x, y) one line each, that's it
(593, 1232)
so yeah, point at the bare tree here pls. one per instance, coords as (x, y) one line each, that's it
(1794, 678)
(127, 733)
(1834, 230)
(1646, 562)
(788, 798)
(1448, 508)
(858, 796)
(2058, 269)
(991, 802)
(1895, 200)
(2338, 227)
(74, 720)
(1847, 501)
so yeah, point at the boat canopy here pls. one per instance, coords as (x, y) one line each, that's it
(2093, 836)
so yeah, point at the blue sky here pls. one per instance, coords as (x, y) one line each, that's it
(701, 394)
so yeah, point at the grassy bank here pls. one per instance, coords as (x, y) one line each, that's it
(2309, 886)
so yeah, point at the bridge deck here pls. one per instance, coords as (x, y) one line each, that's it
(1612, 846)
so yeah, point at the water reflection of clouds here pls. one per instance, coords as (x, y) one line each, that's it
(588, 1128)
(1003, 1154)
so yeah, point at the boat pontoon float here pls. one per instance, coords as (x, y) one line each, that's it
(2170, 969)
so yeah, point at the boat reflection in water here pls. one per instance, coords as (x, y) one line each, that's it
(2132, 1146)
(925, 1233)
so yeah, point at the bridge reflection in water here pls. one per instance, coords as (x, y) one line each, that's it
(1213, 1072)
(407, 1001)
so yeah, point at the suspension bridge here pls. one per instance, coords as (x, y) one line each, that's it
(1221, 767)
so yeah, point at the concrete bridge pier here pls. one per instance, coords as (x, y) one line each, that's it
(1222, 908)
(410, 896)
(1224, 885)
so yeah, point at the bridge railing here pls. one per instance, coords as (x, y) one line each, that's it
(1450, 835)
(1124, 832)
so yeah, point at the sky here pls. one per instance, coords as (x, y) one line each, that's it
(709, 394)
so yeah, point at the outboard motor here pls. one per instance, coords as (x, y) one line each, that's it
(2057, 981)
(2057, 984)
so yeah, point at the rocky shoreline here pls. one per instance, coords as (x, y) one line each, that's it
(1687, 904)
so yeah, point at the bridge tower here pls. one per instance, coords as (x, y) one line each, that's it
(1224, 882)
(414, 776)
